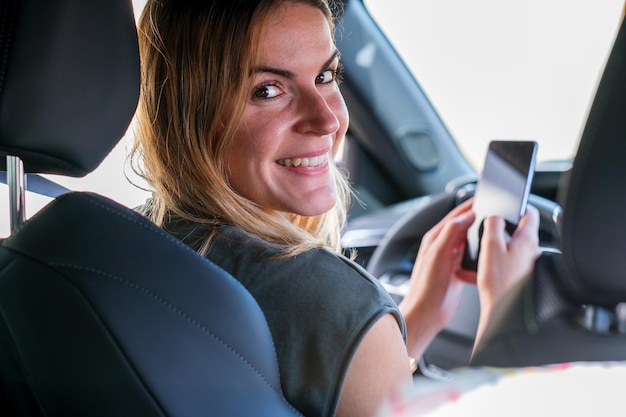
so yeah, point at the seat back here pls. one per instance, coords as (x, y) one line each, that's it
(101, 312)
(572, 308)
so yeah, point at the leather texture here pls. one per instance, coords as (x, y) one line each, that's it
(593, 240)
(106, 314)
(101, 312)
(69, 83)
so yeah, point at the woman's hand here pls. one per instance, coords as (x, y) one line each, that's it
(505, 261)
(437, 279)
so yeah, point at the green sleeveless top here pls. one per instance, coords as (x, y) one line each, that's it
(318, 305)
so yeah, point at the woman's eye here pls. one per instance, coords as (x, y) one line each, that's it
(326, 77)
(266, 92)
(331, 75)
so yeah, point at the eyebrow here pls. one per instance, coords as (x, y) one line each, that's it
(290, 75)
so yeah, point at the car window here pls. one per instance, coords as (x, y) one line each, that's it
(503, 69)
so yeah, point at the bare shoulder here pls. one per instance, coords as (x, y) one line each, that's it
(379, 367)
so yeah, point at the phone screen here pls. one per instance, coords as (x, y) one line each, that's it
(502, 190)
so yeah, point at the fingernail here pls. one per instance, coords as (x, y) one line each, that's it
(465, 217)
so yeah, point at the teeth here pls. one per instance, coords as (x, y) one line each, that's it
(304, 162)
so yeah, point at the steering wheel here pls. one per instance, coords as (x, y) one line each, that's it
(393, 259)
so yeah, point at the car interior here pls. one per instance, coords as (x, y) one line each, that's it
(573, 307)
(568, 310)
(103, 313)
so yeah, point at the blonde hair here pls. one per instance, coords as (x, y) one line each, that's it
(196, 57)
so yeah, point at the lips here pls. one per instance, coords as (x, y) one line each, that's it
(303, 162)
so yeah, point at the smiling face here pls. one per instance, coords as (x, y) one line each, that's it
(295, 117)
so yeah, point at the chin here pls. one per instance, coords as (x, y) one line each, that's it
(312, 209)
(313, 203)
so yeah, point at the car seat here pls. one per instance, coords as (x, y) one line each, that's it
(101, 312)
(573, 307)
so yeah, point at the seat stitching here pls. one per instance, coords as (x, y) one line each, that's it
(139, 220)
(171, 307)
(145, 223)
(187, 317)
(142, 221)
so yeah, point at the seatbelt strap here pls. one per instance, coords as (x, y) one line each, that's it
(40, 185)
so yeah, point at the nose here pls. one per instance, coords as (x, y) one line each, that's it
(320, 113)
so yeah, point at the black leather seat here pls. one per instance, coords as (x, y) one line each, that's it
(573, 308)
(101, 312)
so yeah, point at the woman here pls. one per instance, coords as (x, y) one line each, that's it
(239, 120)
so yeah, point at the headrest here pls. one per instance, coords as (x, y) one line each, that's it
(69, 82)
(594, 207)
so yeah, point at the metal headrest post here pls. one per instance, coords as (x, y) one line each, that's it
(16, 180)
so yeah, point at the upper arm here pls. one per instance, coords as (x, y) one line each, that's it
(379, 367)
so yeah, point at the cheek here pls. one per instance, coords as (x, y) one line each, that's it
(233, 171)
(238, 151)
(251, 148)
(341, 112)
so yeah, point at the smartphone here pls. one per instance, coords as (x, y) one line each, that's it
(502, 190)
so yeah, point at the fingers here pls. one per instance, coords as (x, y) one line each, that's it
(526, 236)
(461, 214)
(435, 288)
(505, 260)
(526, 231)
(460, 209)
(529, 223)
(447, 238)
(494, 230)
